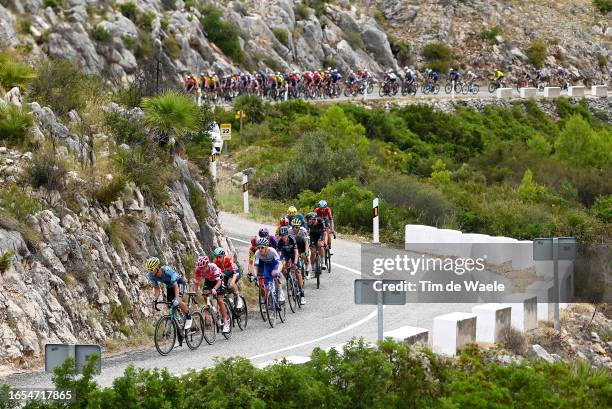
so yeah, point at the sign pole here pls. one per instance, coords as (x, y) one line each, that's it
(375, 227)
(555, 249)
(213, 166)
(245, 192)
(380, 315)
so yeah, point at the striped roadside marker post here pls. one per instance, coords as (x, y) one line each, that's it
(245, 192)
(375, 226)
(213, 166)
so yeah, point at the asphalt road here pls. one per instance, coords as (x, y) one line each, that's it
(329, 318)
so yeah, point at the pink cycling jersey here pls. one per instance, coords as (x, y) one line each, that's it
(213, 273)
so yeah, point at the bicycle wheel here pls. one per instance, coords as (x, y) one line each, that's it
(241, 316)
(381, 91)
(282, 313)
(448, 88)
(290, 295)
(458, 88)
(475, 88)
(271, 311)
(436, 89)
(262, 303)
(328, 259)
(165, 335)
(228, 335)
(425, 88)
(209, 328)
(370, 88)
(195, 334)
(492, 87)
(318, 270)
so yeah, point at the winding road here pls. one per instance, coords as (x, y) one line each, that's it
(329, 318)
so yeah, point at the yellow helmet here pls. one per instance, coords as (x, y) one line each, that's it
(152, 263)
(292, 211)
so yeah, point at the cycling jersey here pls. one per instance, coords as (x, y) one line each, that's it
(455, 75)
(169, 277)
(498, 74)
(302, 232)
(273, 241)
(266, 263)
(287, 248)
(324, 213)
(213, 274)
(225, 263)
(316, 231)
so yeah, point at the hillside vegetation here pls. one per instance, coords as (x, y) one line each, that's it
(512, 171)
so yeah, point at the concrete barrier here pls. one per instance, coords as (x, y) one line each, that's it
(500, 249)
(451, 243)
(528, 92)
(522, 255)
(418, 237)
(505, 93)
(452, 331)
(524, 311)
(599, 90)
(491, 321)
(543, 290)
(479, 244)
(552, 92)
(576, 91)
(409, 335)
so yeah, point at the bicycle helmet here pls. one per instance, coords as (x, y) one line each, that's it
(292, 211)
(284, 231)
(311, 215)
(283, 222)
(219, 252)
(296, 222)
(202, 261)
(263, 232)
(152, 263)
(263, 242)
(322, 204)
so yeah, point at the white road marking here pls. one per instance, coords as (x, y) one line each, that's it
(352, 270)
(333, 334)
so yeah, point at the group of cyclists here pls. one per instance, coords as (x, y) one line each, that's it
(296, 241)
(213, 88)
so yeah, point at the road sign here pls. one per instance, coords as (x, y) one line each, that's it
(240, 114)
(56, 355)
(226, 131)
(366, 292)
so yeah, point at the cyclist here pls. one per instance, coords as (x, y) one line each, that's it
(292, 213)
(389, 78)
(212, 276)
(410, 77)
(454, 74)
(283, 222)
(191, 84)
(325, 213)
(471, 77)
(267, 262)
(252, 250)
(300, 235)
(316, 235)
(432, 75)
(498, 76)
(231, 274)
(265, 233)
(289, 256)
(166, 275)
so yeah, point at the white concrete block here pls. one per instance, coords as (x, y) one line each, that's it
(552, 92)
(543, 290)
(419, 238)
(500, 249)
(528, 92)
(479, 243)
(505, 93)
(491, 320)
(576, 91)
(524, 311)
(599, 90)
(452, 331)
(546, 268)
(522, 255)
(451, 243)
(410, 335)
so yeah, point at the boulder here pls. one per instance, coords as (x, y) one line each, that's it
(376, 42)
(537, 352)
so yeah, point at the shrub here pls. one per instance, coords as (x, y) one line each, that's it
(5, 261)
(197, 202)
(54, 4)
(15, 124)
(100, 34)
(123, 231)
(223, 34)
(537, 53)
(46, 170)
(129, 10)
(14, 73)
(24, 27)
(111, 191)
(514, 340)
(438, 56)
(124, 128)
(281, 35)
(580, 144)
(354, 39)
(401, 51)
(604, 6)
(62, 86)
(603, 208)
(129, 42)
(491, 34)
(329, 62)
(301, 12)
(172, 48)
(379, 17)
(602, 61)
(145, 22)
(169, 4)
(529, 190)
(17, 203)
(252, 106)
(439, 174)
(170, 114)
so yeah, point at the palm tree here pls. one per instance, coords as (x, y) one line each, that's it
(171, 115)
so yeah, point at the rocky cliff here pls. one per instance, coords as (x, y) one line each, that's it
(71, 270)
(117, 38)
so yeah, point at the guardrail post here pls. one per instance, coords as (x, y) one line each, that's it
(213, 166)
(375, 223)
(245, 192)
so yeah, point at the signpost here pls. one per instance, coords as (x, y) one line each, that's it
(226, 134)
(213, 166)
(555, 249)
(245, 192)
(375, 236)
(375, 292)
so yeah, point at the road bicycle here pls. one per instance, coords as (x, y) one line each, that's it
(293, 289)
(469, 87)
(213, 319)
(495, 84)
(389, 88)
(430, 87)
(171, 327)
(270, 306)
(450, 84)
(240, 316)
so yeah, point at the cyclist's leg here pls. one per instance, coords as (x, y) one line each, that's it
(313, 247)
(321, 245)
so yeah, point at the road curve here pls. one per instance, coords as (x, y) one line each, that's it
(329, 318)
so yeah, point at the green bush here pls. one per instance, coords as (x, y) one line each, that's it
(63, 86)
(145, 21)
(401, 51)
(129, 10)
(15, 124)
(603, 208)
(301, 11)
(18, 203)
(582, 145)
(491, 34)
(537, 53)
(438, 56)
(172, 48)
(225, 35)
(379, 17)
(604, 6)
(100, 34)
(46, 170)
(5, 261)
(54, 4)
(354, 39)
(281, 35)
(329, 62)
(197, 202)
(111, 191)
(171, 114)
(14, 73)
(602, 61)
(124, 128)
(252, 106)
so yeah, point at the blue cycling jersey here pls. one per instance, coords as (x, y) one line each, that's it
(169, 277)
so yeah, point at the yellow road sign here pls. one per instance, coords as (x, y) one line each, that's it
(226, 131)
